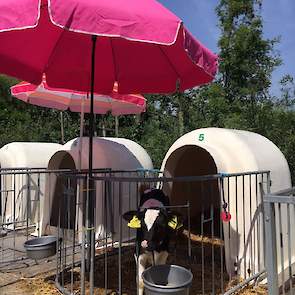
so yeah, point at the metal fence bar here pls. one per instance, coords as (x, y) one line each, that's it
(120, 239)
(289, 249)
(279, 199)
(170, 179)
(221, 237)
(244, 218)
(189, 232)
(270, 249)
(228, 209)
(281, 247)
(250, 265)
(81, 195)
(39, 206)
(237, 224)
(14, 214)
(212, 247)
(92, 237)
(106, 194)
(202, 239)
(240, 286)
(257, 226)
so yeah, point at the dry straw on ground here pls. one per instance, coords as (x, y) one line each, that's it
(44, 285)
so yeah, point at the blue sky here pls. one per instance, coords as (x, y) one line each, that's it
(279, 20)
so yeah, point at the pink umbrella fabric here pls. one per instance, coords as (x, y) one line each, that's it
(75, 101)
(142, 46)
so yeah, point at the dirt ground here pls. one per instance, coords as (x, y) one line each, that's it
(44, 284)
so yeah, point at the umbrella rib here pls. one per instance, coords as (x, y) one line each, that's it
(53, 51)
(115, 67)
(114, 60)
(170, 63)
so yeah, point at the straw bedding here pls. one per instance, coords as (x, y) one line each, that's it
(45, 284)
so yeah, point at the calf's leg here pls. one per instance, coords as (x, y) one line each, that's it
(145, 259)
(141, 263)
(160, 257)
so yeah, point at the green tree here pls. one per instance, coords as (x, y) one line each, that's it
(20, 121)
(240, 97)
(247, 60)
(156, 129)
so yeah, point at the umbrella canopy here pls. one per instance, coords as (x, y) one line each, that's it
(75, 101)
(142, 45)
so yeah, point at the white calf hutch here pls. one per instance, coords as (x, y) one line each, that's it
(117, 154)
(212, 151)
(21, 191)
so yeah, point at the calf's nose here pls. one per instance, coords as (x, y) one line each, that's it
(144, 244)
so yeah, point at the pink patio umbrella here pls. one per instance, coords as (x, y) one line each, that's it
(77, 101)
(88, 45)
(140, 44)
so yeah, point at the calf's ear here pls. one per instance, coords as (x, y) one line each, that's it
(175, 220)
(133, 219)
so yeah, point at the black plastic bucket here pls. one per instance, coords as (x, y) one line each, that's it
(167, 279)
(42, 247)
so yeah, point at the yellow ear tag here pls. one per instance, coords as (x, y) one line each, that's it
(134, 222)
(173, 223)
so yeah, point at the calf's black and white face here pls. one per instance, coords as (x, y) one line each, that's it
(154, 227)
(154, 230)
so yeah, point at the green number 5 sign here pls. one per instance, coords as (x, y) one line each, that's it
(201, 137)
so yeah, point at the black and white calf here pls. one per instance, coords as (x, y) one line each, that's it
(155, 224)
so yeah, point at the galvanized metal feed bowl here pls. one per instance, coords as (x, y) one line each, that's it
(42, 247)
(167, 279)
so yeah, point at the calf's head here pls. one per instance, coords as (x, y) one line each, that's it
(154, 225)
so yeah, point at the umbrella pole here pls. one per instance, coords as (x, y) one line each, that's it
(80, 196)
(62, 128)
(91, 199)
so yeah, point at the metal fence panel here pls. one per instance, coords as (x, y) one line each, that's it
(217, 250)
(280, 241)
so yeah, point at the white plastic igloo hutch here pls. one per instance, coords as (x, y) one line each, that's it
(211, 151)
(117, 154)
(16, 159)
